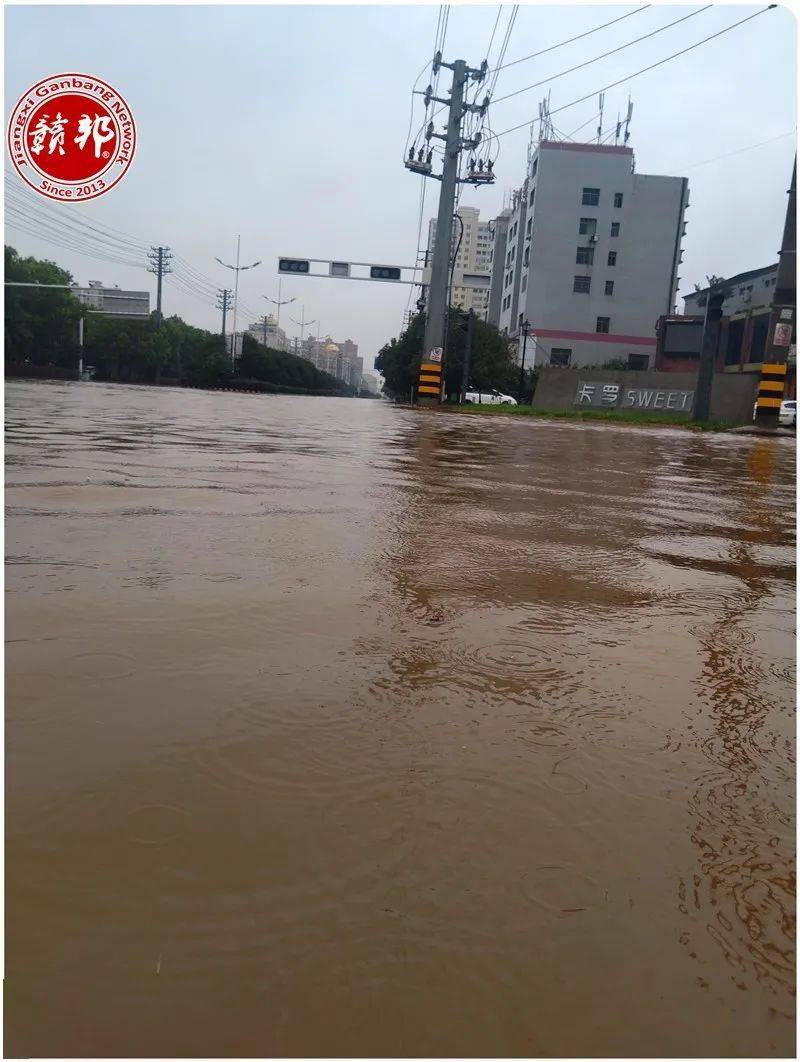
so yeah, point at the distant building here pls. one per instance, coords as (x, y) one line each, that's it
(743, 329)
(371, 383)
(115, 302)
(588, 254)
(474, 257)
(275, 337)
(502, 224)
(747, 292)
(338, 359)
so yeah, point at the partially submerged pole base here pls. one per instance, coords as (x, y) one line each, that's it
(429, 384)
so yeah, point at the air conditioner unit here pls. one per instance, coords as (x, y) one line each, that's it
(592, 239)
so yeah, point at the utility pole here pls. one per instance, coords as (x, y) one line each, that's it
(467, 355)
(224, 304)
(159, 259)
(782, 328)
(277, 302)
(708, 354)
(525, 326)
(237, 269)
(80, 348)
(433, 351)
(265, 322)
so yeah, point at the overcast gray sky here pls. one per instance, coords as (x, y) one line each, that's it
(288, 124)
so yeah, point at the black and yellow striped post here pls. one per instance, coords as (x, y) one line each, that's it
(771, 387)
(429, 387)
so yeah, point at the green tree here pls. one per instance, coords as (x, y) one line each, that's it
(492, 363)
(40, 326)
(284, 370)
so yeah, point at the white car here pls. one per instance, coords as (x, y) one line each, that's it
(787, 414)
(489, 398)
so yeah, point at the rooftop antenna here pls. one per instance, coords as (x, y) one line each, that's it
(628, 120)
(619, 127)
(600, 126)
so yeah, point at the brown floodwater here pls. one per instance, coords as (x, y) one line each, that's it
(334, 728)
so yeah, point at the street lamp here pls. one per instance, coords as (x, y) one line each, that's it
(277, 302)
(303, 323)
(237, 270)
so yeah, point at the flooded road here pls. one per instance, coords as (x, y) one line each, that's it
(339, 729)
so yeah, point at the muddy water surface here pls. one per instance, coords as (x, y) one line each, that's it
(334, 728)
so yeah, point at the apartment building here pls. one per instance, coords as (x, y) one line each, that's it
(474, 257)
(339, 359)
(588, 253)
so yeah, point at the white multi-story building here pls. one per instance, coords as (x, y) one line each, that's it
(588, 254)
(474, 257)
(114, 302)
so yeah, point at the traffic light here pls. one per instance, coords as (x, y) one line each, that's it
(293, 265)
(384, 273)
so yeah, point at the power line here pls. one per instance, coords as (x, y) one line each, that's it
(496, 23)
(571, 40)
(42, 207)
(738, 151)
(74, 215)
(46, 237)
(644, 70)
(45, 229)
(506, 38)
(419, 235)
(597, 58)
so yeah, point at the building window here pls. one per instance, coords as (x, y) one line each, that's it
(609, 287)
(523, 286)
(534, 167)
(612, 258)
(587, 226)
(530, 201)
(615, 228)
(584, 256)
(530, 222)
(561, 356)
(526, 256)
(617, 199)
(591, 196)
(582, 284)
(603, 324)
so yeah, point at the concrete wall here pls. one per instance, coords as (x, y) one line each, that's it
(732, 396)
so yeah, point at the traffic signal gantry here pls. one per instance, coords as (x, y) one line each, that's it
(340, 270)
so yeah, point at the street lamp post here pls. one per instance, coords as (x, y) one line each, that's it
(525, 326)
(277, 302)
(303, 324)
(237, 270)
